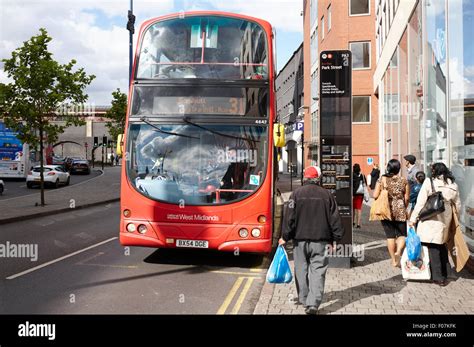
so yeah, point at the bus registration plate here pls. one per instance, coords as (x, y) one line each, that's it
(192, 243)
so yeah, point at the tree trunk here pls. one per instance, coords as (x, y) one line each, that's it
(41, 166)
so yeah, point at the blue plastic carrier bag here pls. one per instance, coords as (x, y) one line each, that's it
(413, 245)
(279, 271)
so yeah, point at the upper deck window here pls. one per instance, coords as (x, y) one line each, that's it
(208, 47)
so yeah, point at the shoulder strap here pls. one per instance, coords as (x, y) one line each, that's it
(432, 186)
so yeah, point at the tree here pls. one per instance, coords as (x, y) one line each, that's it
(117, 114)
(40, 87)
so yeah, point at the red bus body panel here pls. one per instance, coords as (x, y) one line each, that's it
(169, 221)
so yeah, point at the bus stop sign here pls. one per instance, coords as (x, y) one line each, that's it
(336, 140)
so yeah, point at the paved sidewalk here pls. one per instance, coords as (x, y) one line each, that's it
(101, 189)
(372, 285)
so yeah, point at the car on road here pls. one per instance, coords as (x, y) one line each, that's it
(54, 176)
(80, 165)
(56, 160)
(2, 187)
(68, 162)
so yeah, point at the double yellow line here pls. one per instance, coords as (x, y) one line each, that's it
(230, 297)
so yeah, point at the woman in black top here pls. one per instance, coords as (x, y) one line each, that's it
(358, 185)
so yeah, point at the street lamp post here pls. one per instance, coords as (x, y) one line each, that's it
(131, 29)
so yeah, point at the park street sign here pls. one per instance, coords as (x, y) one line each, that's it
(336, 139)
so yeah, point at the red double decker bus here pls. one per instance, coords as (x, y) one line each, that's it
(198, 145)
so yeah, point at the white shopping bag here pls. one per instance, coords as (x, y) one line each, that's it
(416, 270)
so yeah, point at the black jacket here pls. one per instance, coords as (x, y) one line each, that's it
(312, 214)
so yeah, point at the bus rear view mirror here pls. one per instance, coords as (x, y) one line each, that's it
(279, 135)
(120, 145)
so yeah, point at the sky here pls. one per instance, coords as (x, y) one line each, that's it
(93, 31)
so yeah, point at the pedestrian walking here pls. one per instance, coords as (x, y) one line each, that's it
(359, 189)
(415, 190)
(412, 169)
(434, 232)
(375, 175)
(398, 198)
(312, 221)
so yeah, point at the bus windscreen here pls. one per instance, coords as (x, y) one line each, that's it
(208, 47)
(199, 164)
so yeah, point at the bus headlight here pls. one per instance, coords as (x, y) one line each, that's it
(142, 228)
(256, 232)
(131, 227)
(243, 233)
(127, 213)
(262, 219)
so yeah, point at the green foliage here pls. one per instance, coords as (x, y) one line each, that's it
(40, 85)
(117, 114)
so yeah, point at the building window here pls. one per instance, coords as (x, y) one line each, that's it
(314, 47)
(313, 10)
(323, 28)
(360, 55)
(359, 7)
(361, 109)
(329, 18)
(314, 125)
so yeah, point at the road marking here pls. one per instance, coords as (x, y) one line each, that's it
(112, 266)
(242, 296)
(234, 273)
(59, 259)
(255, 270)
(230, 296)
(90, 258)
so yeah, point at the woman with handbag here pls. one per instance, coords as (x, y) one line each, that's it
(397, 192)
(434, 212)
(359, 193)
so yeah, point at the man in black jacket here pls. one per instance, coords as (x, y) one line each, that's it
(312, 221)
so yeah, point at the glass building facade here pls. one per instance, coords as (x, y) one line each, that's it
(427, 95)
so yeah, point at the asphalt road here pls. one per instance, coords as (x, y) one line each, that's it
(101, 276)
(16, 187)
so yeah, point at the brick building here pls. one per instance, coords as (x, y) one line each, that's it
(342, 25)
(289, 94)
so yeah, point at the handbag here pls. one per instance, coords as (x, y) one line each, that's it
(360, 188)
(366, 195)
(456, 243)
(380, 209)
(434, 205)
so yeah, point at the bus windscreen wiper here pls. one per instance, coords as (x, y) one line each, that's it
(144, 120)
(187, 121)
